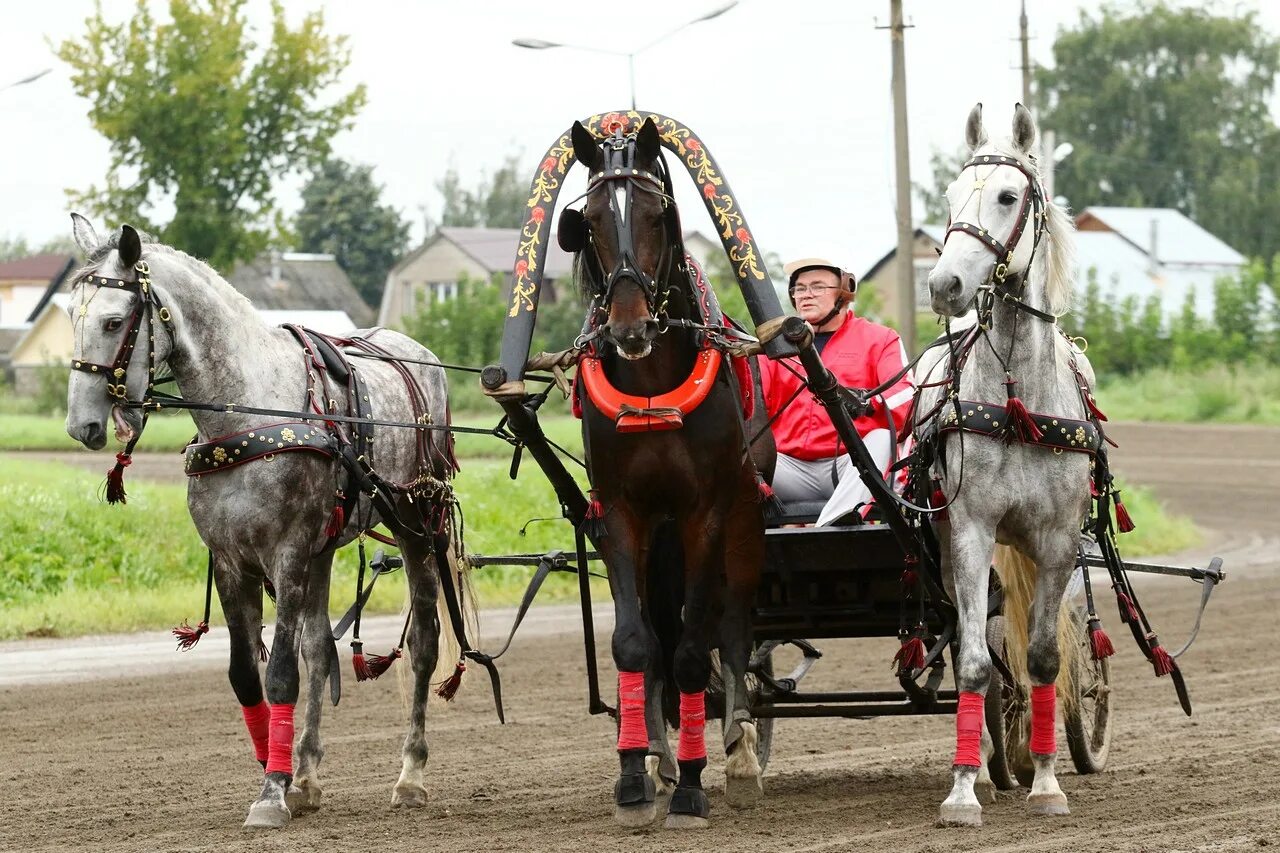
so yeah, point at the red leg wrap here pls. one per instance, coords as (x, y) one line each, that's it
(632, 731)
(969, 730)
(257, 718)
(693, 726)
(1044, 734)
(280, 749)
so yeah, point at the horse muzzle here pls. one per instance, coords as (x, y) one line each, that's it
(947, 294)
(633, 340)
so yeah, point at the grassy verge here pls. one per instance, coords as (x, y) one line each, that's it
(1219, 394)
(1156, 530)
(72, 565)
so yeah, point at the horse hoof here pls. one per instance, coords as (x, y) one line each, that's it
(303, 799)
(641, 814)
(985, 791)
(266, 814)
(743, 792)
(1048, 804)
(962, 814)
(408, 797)
(686, 821)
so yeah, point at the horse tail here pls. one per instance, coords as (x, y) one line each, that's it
(1018, 573)
(664, 583)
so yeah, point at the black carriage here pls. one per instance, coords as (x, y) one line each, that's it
(881, 578)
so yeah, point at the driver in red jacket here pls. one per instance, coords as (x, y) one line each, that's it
(812, 464)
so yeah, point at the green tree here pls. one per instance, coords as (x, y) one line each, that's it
(466, 329)
(12, 248)
(342, 215)
(200, 115)
(943, 168)
(497, 201)
(1169, 107)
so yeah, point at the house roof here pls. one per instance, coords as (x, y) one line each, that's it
(1179, 240)
(936, 233)
(1125, 270)
(306, 282)
(44, 267)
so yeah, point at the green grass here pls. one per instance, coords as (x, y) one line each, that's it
(73, 565)
(1218, 394)
(1156, 530)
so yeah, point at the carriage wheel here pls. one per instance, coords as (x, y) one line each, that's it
(757, 695)
(1088, 721)
(1008, 719)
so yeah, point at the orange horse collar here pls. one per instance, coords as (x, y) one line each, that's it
(632, 413)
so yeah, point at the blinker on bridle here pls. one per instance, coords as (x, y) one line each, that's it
(1032, 208)
(620, 165)
(117, 372)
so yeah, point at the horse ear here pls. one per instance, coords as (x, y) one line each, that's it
(130, 246)
(82, 230)
(586, 147)
(571, 233)
(1024, 129)
(975, 135)
(648, 142)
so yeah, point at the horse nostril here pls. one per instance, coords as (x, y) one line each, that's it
(954, 287)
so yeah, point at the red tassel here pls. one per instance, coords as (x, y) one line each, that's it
(1099, 641)
(450, 685)
(1123, 522)
(1160, 659)
(188, 636)
(1128, 613)
(115, 479)
(337, 519)
(593, 520)
(378, 664)
(1024, 426)
(910, 656)
(358, 663)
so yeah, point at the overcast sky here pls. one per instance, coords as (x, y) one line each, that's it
(791, 96)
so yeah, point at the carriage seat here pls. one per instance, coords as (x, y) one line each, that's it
(803, 512)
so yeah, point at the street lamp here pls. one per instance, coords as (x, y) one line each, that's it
(25, 80)
(543, 44)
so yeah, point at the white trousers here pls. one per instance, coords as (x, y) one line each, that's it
(812, 480)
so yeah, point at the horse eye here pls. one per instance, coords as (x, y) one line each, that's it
(113, 325)
(1007, 197)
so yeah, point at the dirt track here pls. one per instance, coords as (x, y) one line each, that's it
(161, 763)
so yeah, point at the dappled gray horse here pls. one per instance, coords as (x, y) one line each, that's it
(138, 306)
(1017, 440)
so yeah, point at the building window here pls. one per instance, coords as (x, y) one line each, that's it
(922, 268)
(444, 290)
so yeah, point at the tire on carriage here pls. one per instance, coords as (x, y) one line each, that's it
(881, 578)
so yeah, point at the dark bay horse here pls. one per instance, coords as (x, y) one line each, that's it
(673, 488)
(138, 306)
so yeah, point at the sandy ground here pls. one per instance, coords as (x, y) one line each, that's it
(150, 754)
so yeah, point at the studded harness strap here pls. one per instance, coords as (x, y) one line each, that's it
(148, 302)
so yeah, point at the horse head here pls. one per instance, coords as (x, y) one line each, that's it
(114, 314)
(628, 232)
(997, 209)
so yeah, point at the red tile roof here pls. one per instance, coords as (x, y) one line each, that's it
(34, 267)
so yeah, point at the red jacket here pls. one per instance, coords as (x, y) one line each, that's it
(861, 354)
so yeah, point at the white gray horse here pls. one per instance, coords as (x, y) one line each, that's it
(266, 519)
(1010, 252)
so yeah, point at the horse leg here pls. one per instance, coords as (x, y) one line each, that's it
(983, 787)
(659, 763)
(321, 655)
(1055, 561)
(689, 808)
(972, 544)
(241, 596)
(663, 604)
(743, 558)
(410, 790)
(290, 578)
(625, 549)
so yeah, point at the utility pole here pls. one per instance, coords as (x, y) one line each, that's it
(906, 252)
(1026, 57)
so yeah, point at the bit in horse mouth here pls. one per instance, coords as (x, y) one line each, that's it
(124, 432)
(636, 356)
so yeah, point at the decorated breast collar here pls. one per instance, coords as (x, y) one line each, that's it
(1050, 431)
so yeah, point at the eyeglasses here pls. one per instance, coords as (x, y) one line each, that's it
(815, 289)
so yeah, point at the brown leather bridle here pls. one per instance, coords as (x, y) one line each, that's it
(148, 302)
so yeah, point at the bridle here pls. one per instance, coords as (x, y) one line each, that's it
(148, 302)
(1000, 283)
(620, 165)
